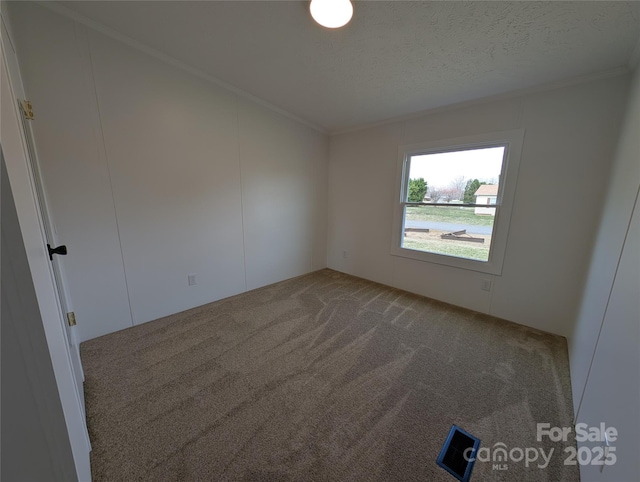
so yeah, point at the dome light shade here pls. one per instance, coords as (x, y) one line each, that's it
(331, 13)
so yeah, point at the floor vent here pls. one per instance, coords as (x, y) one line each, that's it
(458, 453)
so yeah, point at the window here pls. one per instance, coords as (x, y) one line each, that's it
(454, 200)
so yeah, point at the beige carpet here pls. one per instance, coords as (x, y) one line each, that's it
(325, 377)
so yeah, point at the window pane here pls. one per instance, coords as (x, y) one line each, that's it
(449, 230)
(455, 176)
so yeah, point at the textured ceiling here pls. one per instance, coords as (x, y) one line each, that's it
(393, 59)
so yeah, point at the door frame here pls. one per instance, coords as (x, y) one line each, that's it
(21, 181)
(52, 239)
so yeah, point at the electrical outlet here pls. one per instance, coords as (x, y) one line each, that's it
(486, 285)
(191, 279)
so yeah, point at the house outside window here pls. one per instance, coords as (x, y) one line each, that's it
(452, 223)
(486, 194)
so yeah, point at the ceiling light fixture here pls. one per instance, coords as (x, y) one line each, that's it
(331, 13)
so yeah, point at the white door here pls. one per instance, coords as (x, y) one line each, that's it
(41, 271)
(56, 250)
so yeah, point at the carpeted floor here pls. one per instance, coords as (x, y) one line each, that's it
(325, 377)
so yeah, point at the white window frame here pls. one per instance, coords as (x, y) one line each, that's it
(512, 140)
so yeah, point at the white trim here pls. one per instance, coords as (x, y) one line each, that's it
(513, 140)
(51, 237)
(14, 148)
(514, 94)
(5, 26)
(109, 32)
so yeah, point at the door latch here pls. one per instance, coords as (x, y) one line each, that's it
(62, 250)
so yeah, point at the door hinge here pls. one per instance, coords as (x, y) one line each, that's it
(27, 109)
(71, 318)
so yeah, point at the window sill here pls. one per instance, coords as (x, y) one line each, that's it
(489, 267)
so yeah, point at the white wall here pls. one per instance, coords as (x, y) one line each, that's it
(74, 168)
(284, 190)
(154, 173)
(570, 135)
(172, 148)
(620, 192)
(608, 328)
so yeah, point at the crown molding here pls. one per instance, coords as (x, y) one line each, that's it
(583, 79)
(114, 34)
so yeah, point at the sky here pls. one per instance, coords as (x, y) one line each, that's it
(440, 169)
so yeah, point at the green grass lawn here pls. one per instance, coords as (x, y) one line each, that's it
(450, 248)
(461, 249)
(444, 214)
